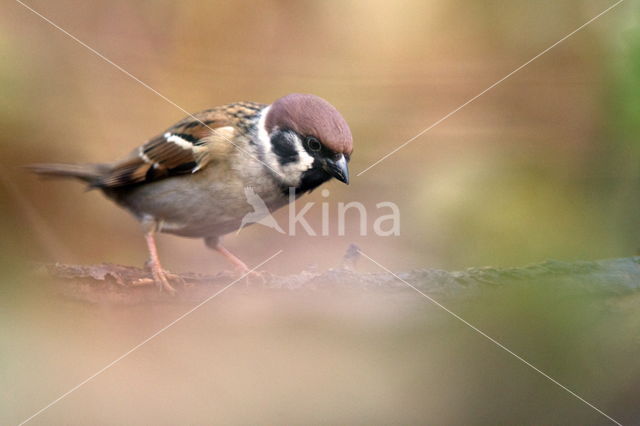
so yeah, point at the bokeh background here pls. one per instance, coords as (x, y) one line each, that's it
(545, 165)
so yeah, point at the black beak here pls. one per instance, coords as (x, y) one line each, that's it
(338, 169)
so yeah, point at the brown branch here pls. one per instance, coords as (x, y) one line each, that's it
(107, 283)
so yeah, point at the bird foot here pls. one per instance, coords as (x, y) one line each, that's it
(241, 270)
(249, 276)
(161, 278)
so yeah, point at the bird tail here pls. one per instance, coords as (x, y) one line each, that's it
(89, 173)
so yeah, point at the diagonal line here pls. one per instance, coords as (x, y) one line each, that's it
(490, 87)
(127, 73)
(500, 345)
(136, 347)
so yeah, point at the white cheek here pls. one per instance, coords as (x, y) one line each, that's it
(305, 161)
(265, 141)
(263, 135)
(293, 171)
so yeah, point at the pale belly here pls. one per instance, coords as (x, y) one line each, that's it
(201, 205)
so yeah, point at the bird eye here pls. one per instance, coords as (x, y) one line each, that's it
(313, 144)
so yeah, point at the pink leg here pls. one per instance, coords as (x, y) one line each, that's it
(239, 264)
(159, 274)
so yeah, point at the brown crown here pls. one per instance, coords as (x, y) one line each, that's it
(310, 115)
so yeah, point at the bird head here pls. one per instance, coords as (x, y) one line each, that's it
(309, 137)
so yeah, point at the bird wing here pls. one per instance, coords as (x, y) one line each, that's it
(184, 148)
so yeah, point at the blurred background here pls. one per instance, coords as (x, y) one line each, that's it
(545, 165)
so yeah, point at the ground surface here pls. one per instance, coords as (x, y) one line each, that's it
(333, 346)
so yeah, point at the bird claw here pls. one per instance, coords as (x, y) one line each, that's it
(142, 282)
(251, 277)
(161, 279)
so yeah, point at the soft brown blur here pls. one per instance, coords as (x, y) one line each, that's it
(545, 165)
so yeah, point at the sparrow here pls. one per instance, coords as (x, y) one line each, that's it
(191, 179)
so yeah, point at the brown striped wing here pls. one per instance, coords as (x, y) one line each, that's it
(182, 149)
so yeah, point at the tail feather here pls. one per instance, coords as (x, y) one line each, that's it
(89, 173)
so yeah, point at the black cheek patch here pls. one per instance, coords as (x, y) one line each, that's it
(284, 148)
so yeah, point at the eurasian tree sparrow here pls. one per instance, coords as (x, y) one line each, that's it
(190, 180)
